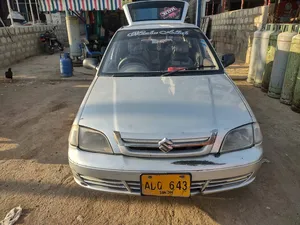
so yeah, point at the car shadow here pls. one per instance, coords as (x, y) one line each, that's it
(224, 208)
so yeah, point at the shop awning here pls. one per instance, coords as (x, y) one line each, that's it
(77, 5)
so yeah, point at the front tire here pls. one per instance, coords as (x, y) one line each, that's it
(60, 46)
(50, 50)
(85, 53)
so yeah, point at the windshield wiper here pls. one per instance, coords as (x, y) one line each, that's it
(141, 74)
(175, 72)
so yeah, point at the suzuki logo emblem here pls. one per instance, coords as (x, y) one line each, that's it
(165, 145)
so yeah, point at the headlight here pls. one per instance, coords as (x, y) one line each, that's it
(89, 140)
(242, 137)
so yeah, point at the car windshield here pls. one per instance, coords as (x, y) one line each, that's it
(158, 51)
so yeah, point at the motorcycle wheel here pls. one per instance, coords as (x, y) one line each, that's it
(85, 53)
(61, 47)
(50, 50)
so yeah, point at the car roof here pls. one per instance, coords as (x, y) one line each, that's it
(149, 25)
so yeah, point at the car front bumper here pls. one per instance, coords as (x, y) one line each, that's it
(121, 174)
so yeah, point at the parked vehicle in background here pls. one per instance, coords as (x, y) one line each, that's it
(162, 117)
(50, 42)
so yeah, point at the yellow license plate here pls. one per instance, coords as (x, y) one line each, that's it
(177, 185)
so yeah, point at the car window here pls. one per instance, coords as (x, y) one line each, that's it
(158, 50)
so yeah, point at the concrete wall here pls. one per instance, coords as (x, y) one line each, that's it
(232, 32)
(25, 42)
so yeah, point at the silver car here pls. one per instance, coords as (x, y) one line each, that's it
(162, 117)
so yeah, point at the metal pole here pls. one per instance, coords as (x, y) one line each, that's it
(9, 10)
(25, 2)
(275, 11)
(66, 9)
(197, 12)
(18, 7)
(31, 11)
(37, 10)
(203, 8)
(224, 6)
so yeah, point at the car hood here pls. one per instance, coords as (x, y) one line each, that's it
(160, 106)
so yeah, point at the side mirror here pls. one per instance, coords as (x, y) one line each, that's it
(90, 63)
(228, 59)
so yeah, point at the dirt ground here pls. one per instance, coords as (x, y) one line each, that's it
(45, 67)
(35, 119)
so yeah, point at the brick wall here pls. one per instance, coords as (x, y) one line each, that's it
(25, 42)
(232, 32)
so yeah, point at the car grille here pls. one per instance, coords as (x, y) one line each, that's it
(213, 185)
(133, 187)
(186, 147)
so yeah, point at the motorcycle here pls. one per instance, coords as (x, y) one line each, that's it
(92, 48)
(50, 41)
